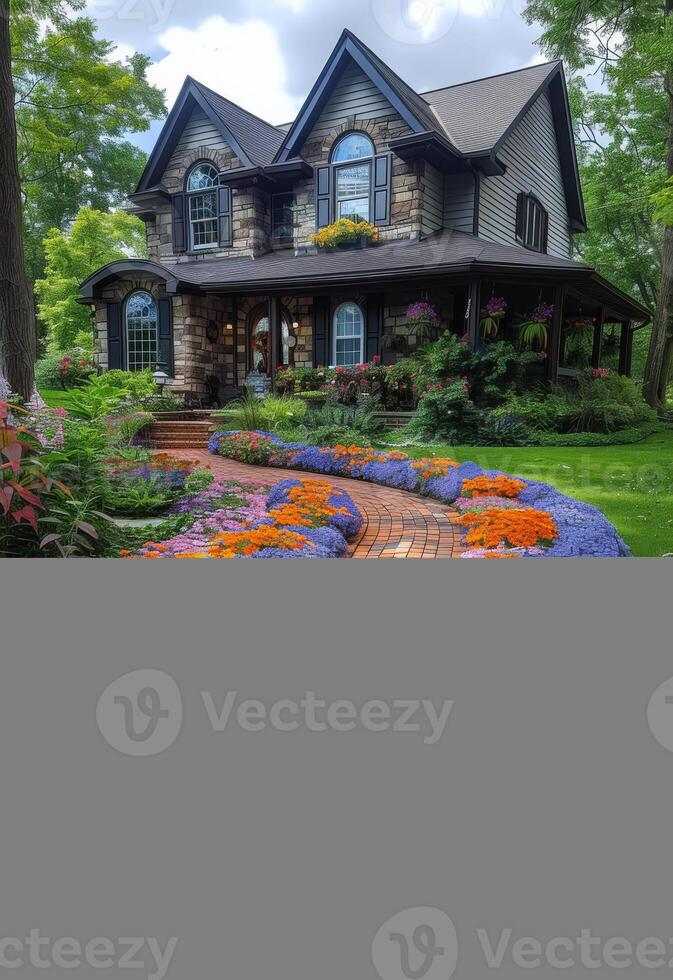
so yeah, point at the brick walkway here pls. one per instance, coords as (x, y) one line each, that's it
(397, 524)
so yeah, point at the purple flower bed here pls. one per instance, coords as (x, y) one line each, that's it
(583, 531)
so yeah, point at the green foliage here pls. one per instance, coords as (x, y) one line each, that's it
(75, 104)
(503, 430)
(123, 429)
(197, 481)
(138, 384)
(272, 414)
(93, 240)
(96, 400)
(446, 412)
(624, 437)
(399, 382)
(292, 380)
(141, 498)
(607, 405)
(663, 204)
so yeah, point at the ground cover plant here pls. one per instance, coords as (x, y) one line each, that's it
(547, 524)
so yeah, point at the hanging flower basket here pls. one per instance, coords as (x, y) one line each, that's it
(422, 320)
(535, 332)
(491, 315)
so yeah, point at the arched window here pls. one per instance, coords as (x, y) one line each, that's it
(142, 332)
(202, 206)
(532, 223)
(353, 160)
(349, 335)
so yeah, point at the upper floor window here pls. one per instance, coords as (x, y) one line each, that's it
(202, 206)
(532, 223)
(353, 159)
(349, 335)
(282, 218)
(142, 332)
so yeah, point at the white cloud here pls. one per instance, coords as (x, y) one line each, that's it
(243, 62)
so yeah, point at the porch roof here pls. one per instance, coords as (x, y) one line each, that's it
(448, 253)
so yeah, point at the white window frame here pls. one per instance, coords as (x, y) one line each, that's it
(142, 363)
(335, 338)
(338, 165)
(190, 196)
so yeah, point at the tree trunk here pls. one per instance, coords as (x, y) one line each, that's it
(17, 320)
(666, 370)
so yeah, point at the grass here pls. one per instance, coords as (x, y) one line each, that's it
(56, 397)
(632, 485)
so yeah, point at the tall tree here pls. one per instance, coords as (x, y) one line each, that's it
(631, 43)
(75, 103)
(94, 239)
(17, 322)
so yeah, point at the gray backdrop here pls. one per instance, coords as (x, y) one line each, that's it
(544, 808)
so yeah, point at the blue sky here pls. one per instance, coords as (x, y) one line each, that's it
(266, 54)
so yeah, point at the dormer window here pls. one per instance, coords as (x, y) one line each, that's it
(353, 159)
(532, 223)
(202, 207)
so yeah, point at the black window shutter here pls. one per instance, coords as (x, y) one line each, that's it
(323, 196)
(224, 212)
(521, 207)
(381, 189)
(321, 331)
(545, 231)
(179, 228)
(115, 337)
(165, 346)
(374, 327)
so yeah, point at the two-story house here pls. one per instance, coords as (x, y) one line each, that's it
(474, 189)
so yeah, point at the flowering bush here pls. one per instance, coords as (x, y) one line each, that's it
(553, 525)
(297, 519)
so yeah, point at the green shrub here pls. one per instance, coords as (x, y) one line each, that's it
(399, 384)
(138, 384)
(96, 400)
(447, 413)
(542, 411)
(607, 404)
(503, 430)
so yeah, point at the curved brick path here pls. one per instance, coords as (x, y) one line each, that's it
(397, 524)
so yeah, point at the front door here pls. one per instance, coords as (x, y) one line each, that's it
(259, 359)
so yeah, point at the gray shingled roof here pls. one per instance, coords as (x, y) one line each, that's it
(476, 115)
(259, 139)
(450, 248)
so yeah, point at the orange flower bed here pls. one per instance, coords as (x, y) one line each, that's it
(431, 469)
(308, 507)
(229, 544)
(512, 528)
(493, 486)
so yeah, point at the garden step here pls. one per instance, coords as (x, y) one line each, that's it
(176, 434)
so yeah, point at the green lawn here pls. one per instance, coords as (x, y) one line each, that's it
(632, 485)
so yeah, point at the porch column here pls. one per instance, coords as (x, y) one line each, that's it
(625, 348)
(598, 340)
(472, 310)
(274, 337)
(554, 352)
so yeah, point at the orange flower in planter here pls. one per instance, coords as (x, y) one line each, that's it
(513, 528)
(493, 486)
(309, 506)
(230, 544)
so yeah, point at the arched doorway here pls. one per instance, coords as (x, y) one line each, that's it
(259, 359)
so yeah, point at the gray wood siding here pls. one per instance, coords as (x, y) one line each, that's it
(353, 95)
(532, 161)
(432, 200)
(198, 132)
(459, 202)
